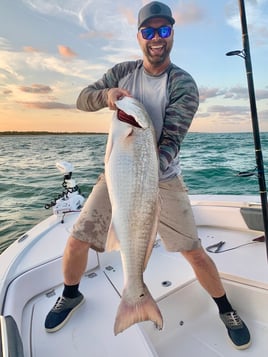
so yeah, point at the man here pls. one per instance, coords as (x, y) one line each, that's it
(170, 96)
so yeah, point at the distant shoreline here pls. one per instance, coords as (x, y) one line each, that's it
(21, 133)
(44, 133)
(2, 133)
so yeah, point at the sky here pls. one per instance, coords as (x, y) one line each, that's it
(51, 49)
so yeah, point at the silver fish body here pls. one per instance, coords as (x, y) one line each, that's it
(131, 169)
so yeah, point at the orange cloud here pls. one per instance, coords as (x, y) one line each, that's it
(66, 51)
(30, 49)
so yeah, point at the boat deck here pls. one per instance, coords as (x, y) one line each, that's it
(191, 320)
(32, 282)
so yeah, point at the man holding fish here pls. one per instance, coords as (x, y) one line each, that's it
(154, 103)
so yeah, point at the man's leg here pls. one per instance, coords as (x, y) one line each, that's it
(74, 264)
(90, 230)
(208, 276)
(205, 271)
(74, 260)
(179, 234)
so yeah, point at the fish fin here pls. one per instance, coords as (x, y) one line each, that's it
(112, 242)
(143, 310)
(153, 235)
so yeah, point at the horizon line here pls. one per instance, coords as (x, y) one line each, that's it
(46, 132)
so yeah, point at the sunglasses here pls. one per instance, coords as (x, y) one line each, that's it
(148, 33)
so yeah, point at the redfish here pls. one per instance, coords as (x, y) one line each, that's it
(132, 175)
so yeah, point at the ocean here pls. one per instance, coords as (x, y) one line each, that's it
(29, 178)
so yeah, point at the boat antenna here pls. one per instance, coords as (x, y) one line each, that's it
(245, 54)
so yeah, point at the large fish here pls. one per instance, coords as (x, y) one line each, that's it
(131, 170)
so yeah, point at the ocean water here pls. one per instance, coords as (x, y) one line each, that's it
(29, 178)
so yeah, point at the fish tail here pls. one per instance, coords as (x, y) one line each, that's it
(142, 310)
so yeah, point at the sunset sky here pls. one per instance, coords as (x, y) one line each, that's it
(51, 49)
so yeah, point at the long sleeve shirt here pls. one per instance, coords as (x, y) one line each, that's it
(171, 99)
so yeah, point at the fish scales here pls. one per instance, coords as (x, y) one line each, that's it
(131, 169)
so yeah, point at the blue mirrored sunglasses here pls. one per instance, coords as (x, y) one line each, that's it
(148, 33)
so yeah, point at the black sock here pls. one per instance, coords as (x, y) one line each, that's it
(223, 304)
(71, 291)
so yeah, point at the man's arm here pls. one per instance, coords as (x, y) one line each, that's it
(94, 96)
(105, 91)
(184, 101)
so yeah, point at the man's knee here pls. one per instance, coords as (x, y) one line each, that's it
(196, 256)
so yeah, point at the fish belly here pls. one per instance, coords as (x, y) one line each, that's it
(132, 178)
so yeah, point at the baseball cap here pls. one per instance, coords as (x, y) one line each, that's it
(154, 9)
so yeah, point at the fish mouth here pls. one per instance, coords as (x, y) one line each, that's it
(123, 116)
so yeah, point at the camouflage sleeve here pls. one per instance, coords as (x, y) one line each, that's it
(94, 97)
(183, 104)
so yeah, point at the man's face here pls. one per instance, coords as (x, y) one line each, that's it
(157, 49)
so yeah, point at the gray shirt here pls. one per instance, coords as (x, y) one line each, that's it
(171, 99)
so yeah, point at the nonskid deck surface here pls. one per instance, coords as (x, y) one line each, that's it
(191, 322)
(195, 328)
(89, 332)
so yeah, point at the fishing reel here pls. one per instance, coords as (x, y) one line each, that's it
(253, 172)
(71, 199)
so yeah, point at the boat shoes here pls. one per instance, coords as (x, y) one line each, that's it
(237, 330)
(62, 311)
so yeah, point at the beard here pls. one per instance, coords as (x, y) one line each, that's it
(159, 56)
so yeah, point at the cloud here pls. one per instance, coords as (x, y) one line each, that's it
(224, 111)
(66, 51)
(4, 44)
(128, 14)
(16, 65)
(199, 114)
(257, 19)
(261, 94)
(263, 115)
(93, 34)
(7, 91)
(10, 66)
(188, 14)
(108, 24)
(228, 111)
(87, 14)
(235, 93)
(242, 93)
(36, 88)
(47, 105)
(206, 93)
(30, 49)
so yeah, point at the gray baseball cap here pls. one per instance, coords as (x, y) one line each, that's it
(154, 9)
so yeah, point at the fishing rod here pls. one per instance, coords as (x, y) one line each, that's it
(245, 54)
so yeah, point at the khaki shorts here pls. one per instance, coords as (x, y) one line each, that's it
(177, 228)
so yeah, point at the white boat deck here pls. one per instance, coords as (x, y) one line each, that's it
(191, 322)
(191, 319)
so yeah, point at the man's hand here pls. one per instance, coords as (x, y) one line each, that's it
(115, 94)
